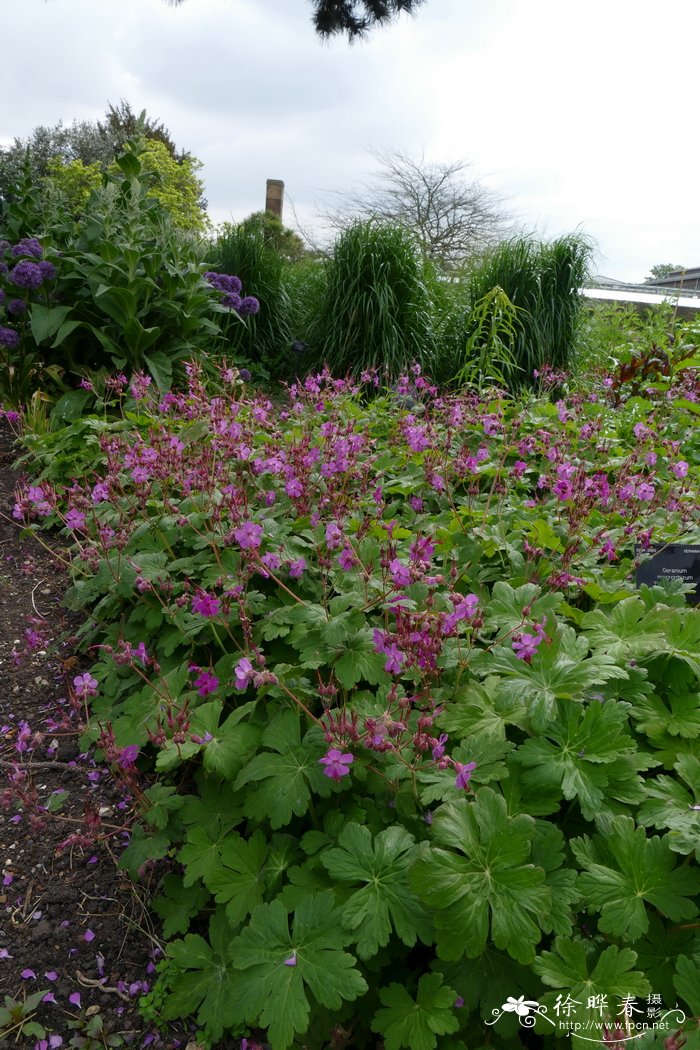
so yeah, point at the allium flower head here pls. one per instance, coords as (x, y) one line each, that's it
(27, 274)
(27, 246)
(249, 306)
(9, 338)
(48, 270)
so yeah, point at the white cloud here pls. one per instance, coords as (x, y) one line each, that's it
(579, 112)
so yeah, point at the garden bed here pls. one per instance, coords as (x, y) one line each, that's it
(77, 942)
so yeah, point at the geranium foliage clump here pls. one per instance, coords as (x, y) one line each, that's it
(417, 742)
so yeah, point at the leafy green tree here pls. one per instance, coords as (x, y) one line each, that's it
(275, 234)
(72, 155)
(73, 181)
(176, 185)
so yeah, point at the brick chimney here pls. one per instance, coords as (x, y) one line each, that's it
(274, 197)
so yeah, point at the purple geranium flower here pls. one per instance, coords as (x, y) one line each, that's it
(248, 535)
(336, 763)
(127, 757)
(464, 773)
(296, 568)
(206, 683)
(206, 604)
(85, 685)
(244, 672)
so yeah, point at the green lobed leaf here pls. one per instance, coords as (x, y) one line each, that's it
(276, 967)
(205, 985)
(487, 882)
(623, 869)
(574, 752)
(386, 900)
(416, 1023)
(561, 668)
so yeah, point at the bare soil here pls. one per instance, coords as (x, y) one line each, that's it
(71, 923)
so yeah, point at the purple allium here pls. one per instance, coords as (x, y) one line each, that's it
(206, 604)
(48, 270)
(27, 246)
(232, 301)
(9, 338)
(464, 773)
(249, 306)
(16, 307)
(27, 275)
(336, 763)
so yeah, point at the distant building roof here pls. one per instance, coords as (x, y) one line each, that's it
(636, 295)
(675, 278)
(686, 300)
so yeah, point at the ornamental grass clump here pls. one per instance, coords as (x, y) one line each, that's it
(266, 340)
(374, 310)
(409, 725)
(542, 283)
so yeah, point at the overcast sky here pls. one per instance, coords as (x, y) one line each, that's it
(580, 112)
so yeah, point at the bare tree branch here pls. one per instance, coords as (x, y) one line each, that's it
(453, 219)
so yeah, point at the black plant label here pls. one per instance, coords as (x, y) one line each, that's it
(671, 561)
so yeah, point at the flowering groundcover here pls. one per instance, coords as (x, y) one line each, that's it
(419, 743)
